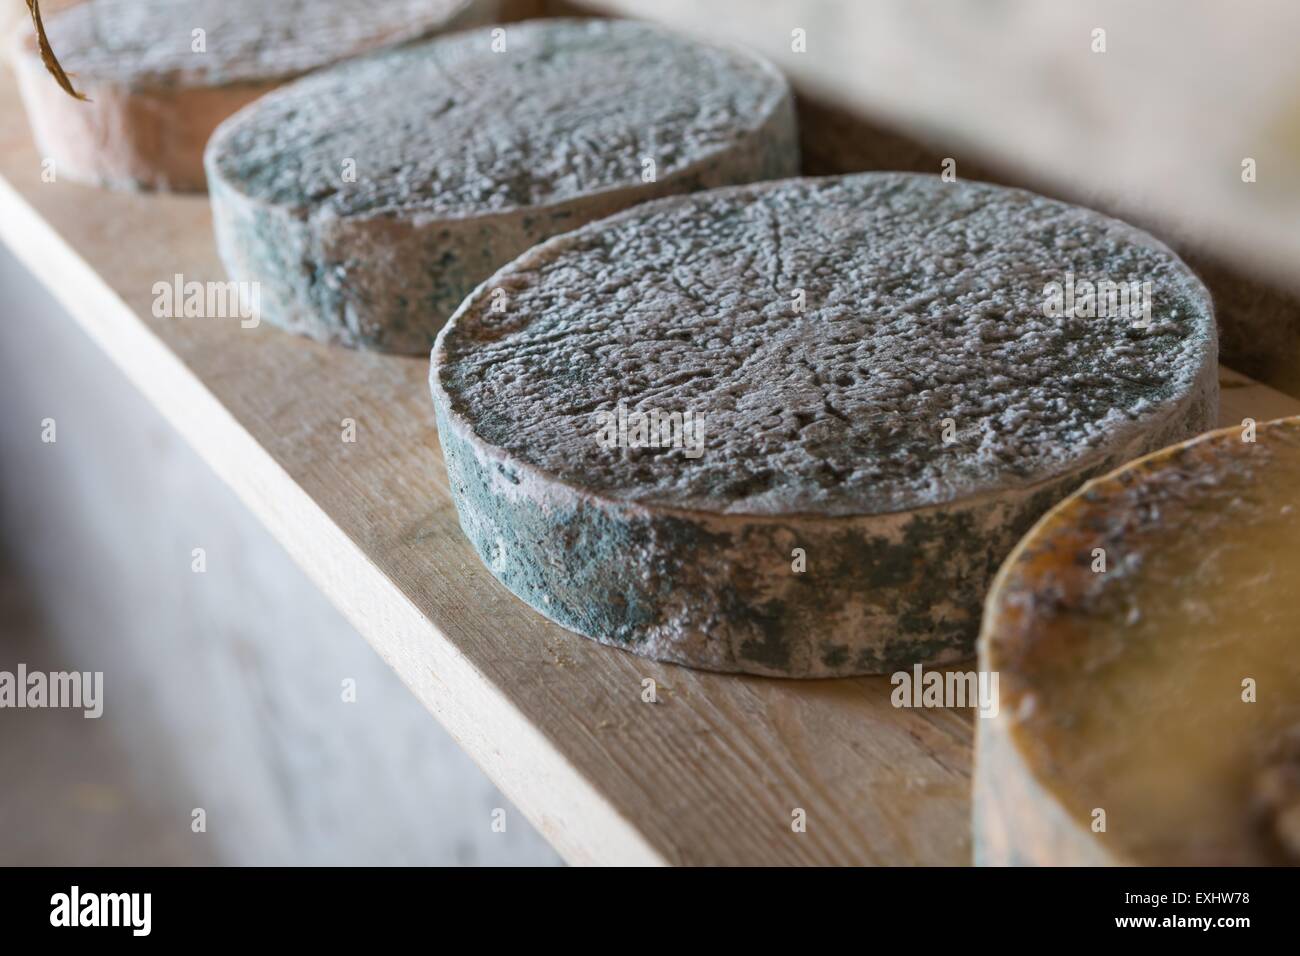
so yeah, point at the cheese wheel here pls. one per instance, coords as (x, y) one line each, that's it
(1149, 706)
(369, 200)
(881, 400)
(162, 74)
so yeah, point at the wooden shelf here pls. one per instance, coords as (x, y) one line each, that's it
(710, 774)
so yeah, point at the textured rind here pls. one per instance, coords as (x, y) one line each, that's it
(714, 588)
(153, 104)
(385, 274)
(921, 302)
(1020, 815)
(717, 591)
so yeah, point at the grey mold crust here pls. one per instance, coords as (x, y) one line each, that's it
(465, 158)
(924, 301)
(140, 44)
(161, 75)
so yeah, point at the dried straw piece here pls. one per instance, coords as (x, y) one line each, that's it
(47, 54)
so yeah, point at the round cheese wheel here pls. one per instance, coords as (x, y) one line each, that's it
(1145, 635)
(161, 74)
(793, 428)
(369, 200)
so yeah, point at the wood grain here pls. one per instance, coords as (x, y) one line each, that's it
(709, 774)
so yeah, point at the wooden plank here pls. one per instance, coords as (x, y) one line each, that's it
(709, 774)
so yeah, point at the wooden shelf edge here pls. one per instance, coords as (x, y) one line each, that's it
(566, 808)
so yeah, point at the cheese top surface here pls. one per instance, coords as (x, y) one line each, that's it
(154, 42)
(1126, 688)
(832, 334)
(452, 128)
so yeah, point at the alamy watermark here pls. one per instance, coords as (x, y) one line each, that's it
(133, 911)
(1101, 299)
(918, 688)
(208, 300)
(72, 689)
(652, 428)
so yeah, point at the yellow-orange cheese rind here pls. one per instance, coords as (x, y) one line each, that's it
(1099, 671)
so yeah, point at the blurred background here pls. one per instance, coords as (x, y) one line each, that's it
(226, 686)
